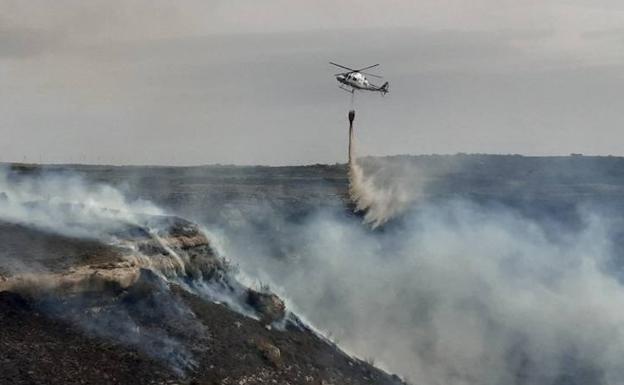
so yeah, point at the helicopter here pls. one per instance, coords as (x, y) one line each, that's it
(356, 80)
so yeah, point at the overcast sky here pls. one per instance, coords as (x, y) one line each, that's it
(247, 82)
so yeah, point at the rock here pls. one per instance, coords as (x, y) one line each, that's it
(146, 285)
(270, 307)
(269, 352)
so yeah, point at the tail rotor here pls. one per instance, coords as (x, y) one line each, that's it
(384, 89)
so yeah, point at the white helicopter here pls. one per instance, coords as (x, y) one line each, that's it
(357, 81)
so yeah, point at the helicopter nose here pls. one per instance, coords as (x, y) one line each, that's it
(340, 77)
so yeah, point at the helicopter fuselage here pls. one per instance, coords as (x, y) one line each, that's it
(355, 80)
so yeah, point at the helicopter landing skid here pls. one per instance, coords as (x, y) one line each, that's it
(351, 91)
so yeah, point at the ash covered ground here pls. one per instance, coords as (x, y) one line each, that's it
(466, 269)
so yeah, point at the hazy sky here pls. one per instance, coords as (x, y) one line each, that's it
(247, 82)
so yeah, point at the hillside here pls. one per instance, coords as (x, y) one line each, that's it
(151, 311)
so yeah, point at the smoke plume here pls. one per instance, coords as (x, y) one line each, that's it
(66, 204)
(453, 291)
(133, 304)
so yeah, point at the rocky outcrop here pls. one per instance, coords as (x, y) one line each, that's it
(269, 306)
(173, 247)
(153, 305)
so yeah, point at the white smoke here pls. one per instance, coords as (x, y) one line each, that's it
(452, 293)
(66, 204)
(455, 292)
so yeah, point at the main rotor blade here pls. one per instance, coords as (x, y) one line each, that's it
(341, 66)
(366, 68)
(373, 75)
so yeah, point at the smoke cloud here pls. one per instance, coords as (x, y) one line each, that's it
(444, 291)
(452, 292)
(110, 271)
(66, 204)
(127, 298)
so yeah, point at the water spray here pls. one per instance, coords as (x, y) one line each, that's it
(374, 202)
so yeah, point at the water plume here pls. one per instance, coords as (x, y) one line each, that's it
(384, 193)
